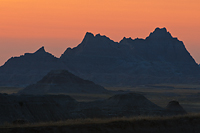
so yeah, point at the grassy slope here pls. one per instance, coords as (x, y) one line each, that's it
(184, 124)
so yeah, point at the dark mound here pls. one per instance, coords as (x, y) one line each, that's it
(20, 109)
(129, 104)
(31, 108)
(175, 107)
(62, 81)
(135, 100)
(132, 104)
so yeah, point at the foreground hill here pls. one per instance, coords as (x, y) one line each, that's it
(40, 108)
(62, 81)
(159, 58)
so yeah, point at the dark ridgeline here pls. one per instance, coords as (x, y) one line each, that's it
(28, 68)
(159, 58)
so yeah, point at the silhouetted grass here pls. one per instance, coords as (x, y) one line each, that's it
(181, 123)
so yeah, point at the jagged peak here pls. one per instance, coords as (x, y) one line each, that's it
(160, 29)
(89, 35)
(41, 50)
(98, 36)
(160, 32)
(125, 39)
(130, 39)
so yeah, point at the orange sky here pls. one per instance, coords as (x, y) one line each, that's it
(26, 25)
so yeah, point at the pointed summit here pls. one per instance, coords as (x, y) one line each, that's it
(41, 50)
(92, 41)
(88, 35)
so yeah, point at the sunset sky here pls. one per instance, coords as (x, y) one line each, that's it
(26, 25)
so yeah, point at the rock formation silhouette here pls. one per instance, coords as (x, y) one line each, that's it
(159, 58)
(175, 107)
(28, 68)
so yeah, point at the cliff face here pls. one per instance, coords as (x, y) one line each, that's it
(159, 58)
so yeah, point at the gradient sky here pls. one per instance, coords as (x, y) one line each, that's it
(26, 25)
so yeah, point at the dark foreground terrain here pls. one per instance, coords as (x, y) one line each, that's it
(39, 108)
(174, 124)
(34, 109)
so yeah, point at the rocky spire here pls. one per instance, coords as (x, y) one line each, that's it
(41, 50)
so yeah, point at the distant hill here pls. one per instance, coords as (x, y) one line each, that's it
(159, 58)
(62, 81)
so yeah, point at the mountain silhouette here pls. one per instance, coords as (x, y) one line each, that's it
(28, 68)
(159, 58)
